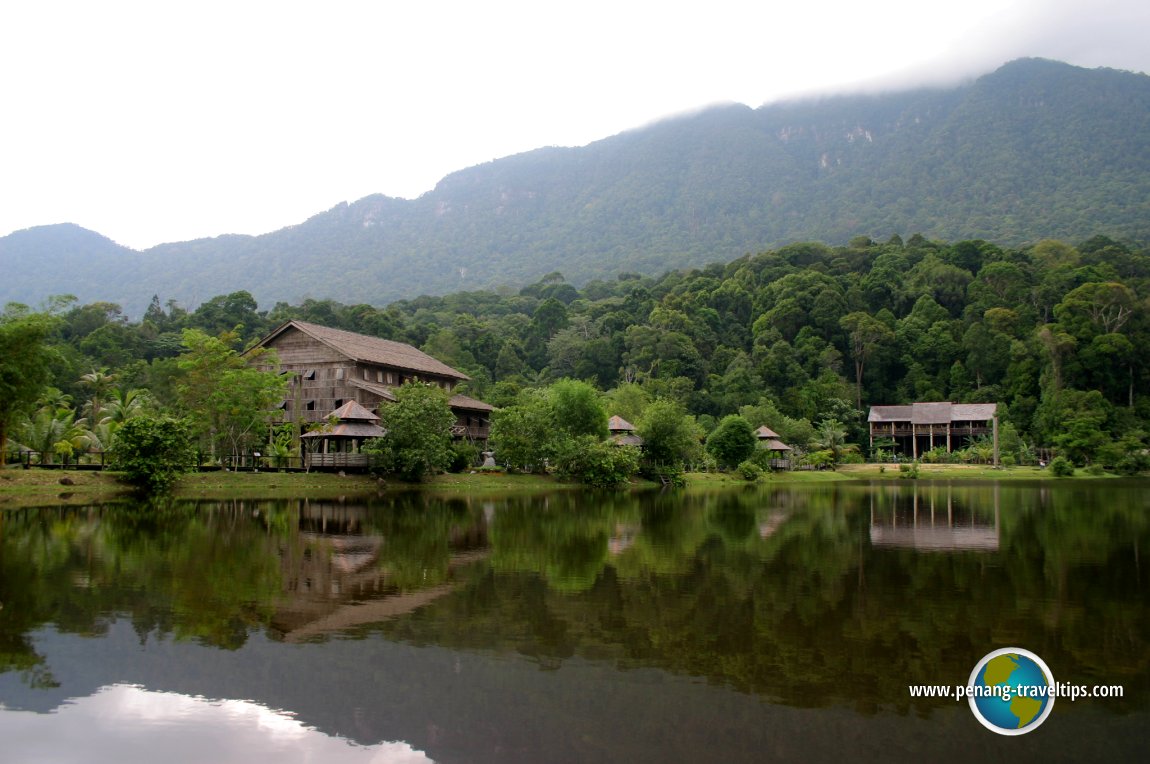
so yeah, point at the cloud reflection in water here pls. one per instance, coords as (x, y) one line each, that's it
(126, 723)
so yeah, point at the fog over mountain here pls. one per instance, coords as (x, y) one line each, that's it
(1037, 149)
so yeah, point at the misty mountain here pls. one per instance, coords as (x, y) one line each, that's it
(1037, 149)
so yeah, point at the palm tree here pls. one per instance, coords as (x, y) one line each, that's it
(100, 382)
(54, 431)
(121, 406)
(125, 404)
(831, 436)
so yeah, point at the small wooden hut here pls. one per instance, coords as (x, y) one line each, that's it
(339, 445)
(780, 451)
(623, 432)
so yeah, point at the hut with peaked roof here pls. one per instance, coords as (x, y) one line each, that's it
(623, 432)
(780, 451)
(331, 367)
(920, 427)
(339, 443)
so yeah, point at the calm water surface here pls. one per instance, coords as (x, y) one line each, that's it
(766, 624)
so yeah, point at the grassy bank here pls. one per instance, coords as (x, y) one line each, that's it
(19, 487)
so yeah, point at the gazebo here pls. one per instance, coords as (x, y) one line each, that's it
(339, 445)
(780, 451)
(623, 432)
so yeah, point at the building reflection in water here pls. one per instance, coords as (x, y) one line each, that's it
(934, 518)
(336, 573)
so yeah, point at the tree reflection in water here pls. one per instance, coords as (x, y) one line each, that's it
(833, 595)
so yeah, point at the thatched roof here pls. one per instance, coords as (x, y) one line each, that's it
(765, 432)
(354, 422)
(469, 404)
(773, 444)
(934, 413)
(619, 424)
(353, 412)
(361, 347)
(348, 430)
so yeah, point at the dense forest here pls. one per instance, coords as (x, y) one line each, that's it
(802, 338)
(1037, 149)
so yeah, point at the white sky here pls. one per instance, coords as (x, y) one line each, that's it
(154, 121)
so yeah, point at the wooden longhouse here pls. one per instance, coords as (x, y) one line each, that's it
(920, 427)
(333, 367)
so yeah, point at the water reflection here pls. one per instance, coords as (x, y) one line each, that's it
(428, 621)
(124, 723)
(936, 517)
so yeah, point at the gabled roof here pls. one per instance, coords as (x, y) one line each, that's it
(973, 412)
(619, 424)
(361, 347)
(470, 404)
(934, 413)
(930, 413)
(371, 387)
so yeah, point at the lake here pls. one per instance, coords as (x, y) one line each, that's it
(771, 623)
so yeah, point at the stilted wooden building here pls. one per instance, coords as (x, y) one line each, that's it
(920, 427)
(332, 367)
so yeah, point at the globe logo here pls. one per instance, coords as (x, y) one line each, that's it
(1011, 691)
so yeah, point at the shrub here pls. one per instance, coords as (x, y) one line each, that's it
(732, 442)
(748, 470)
(463, 456)
(1133, 463)
(153, 451)
(599, 463)
(1060, 466)
(418, 441)
(1006, 460)
(1095, 470)
(908, 471)
(820, 459)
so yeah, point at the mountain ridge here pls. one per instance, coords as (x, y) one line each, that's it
(1036, 149)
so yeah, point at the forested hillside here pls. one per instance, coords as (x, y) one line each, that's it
(1035, 150)
(802, 338)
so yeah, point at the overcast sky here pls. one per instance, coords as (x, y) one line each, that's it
(167, 121)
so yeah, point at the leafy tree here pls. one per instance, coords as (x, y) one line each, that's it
(523, 434)
(732, 442)
(628, 400)
(596, 462)
(577, 409)
(418, 426)
(670, 435)
(153, 451)
(865, 333)
(25, 358)
(228, 396)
